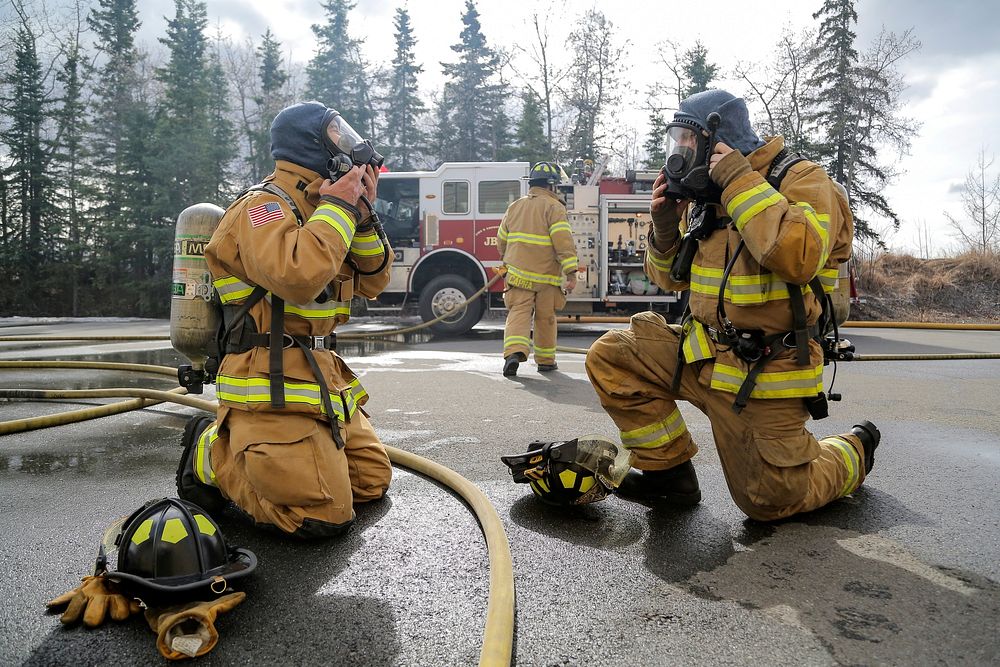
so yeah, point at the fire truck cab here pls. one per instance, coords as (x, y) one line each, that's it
(442, 225)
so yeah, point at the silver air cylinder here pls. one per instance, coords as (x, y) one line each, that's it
(194, 321)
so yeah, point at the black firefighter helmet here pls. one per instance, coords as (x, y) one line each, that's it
(574, 472)
(171, 548)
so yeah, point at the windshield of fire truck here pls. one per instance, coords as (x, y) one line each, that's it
(398, 205)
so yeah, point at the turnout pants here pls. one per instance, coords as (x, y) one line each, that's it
(543, 301)
(285, 470)
(773, 466)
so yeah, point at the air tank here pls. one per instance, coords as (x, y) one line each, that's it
(194, 320)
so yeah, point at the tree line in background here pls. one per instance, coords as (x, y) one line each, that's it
(101, 146)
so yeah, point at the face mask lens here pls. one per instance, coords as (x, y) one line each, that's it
(343, 135)
(681, 149)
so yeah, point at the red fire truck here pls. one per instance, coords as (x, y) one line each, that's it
(443, 224)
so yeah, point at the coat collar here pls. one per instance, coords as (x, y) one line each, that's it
(760, 159)
(300, 183)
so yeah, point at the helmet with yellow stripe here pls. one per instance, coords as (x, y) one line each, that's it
(573, 472)
(549, 172)
(171, 548)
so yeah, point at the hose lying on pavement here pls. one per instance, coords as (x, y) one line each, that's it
(498, 633)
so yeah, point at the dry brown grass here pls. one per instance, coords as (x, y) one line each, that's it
(900, 287)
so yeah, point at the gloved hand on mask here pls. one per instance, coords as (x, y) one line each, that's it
(666, 214)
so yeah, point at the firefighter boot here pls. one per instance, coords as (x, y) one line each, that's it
(869, 437)
(510, 364)
(676, 486)
(548, 368)
(189, 487)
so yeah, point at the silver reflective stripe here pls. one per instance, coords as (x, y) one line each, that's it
(232, 289)
(656, 434)
(258, 390)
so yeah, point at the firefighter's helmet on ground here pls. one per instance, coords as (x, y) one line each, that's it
(573, 472)
(549, 172)
(171, 548)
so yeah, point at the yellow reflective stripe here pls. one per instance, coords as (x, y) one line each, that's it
(743, 290)
(258, 390)
(820, 222)
(367, 245)
(569, 263)
(337, 218)
(778, 384)
(317, 311)
(531, 276)
(502, 233)
(545, 350)
(696, 342)
(659, 260)
(511, 341)
(852, 461)
(561, 226)
(529, 239)
(829, 278)
(656, 434)
(232, 289)
(203, 456)
(744, 206)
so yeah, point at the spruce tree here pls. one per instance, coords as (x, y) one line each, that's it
(474, 93)
(443, 137)
(69, 168)
(655, 145)
(698, 71)
(530, 139)
(270, 101)
(403, 136)
(26, 175)
(120, 146)
(336, 75)
(834, 95)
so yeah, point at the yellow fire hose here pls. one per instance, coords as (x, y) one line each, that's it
(498, 633)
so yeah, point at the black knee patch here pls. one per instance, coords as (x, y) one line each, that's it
(315, 529)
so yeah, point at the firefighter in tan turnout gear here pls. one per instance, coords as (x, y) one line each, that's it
(756, 257)
(536, 244)
(291, 445)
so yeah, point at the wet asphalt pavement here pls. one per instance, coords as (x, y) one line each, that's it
(905, 572)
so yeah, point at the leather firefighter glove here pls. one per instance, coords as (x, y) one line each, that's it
(188, 630)
(665, 213)
(92, 601)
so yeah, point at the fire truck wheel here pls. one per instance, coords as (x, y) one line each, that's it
(443, 295)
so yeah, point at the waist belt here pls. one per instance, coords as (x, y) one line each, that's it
(328, 342)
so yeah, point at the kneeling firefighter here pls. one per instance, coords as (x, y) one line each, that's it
(291, 445)
(757, 235)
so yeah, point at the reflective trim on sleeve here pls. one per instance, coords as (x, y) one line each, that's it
(656, 434)
(829, 278)
(502, 233)
(569, 264)
(697, 344)
(659, 261)
(561, 226)
(779, 384)
(820, 222)
(744, 206)
(231, 289)
(337, 218)
(852, 461)
(367, 245)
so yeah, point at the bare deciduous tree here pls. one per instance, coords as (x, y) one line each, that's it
(979, 228)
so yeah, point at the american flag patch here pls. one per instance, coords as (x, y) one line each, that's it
(265, 213)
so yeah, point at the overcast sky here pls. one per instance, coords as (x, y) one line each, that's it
(954, 79)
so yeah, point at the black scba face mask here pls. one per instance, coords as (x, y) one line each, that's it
(688, 151)
(349, 150)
